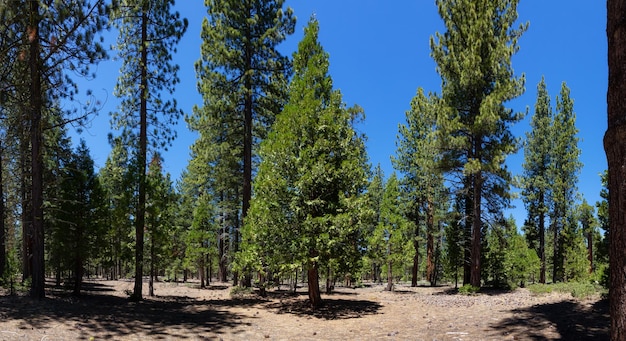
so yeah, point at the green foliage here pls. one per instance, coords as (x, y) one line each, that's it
(307, 208)
(468, 289)
(521, 263)
(473, 57)
(580, 290)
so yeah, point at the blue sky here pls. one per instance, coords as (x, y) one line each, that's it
(379, 56)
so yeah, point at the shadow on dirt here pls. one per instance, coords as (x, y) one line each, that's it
(572, 320)
(115, 317)
(331, 309)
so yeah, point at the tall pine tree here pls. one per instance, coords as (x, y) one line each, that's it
(148, 34)
(536, 181)
(563, 175)
(473, 57)
(242, 78)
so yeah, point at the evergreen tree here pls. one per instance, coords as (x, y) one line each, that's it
(589, 224)
(148, 35)
(392, 230)
(242, 78)
(307, 205)
(615, 148)
(473, 57)
(536, 181)
(50, 42)
(563, 174)
(120, 190)
(374, 253)
(418, 158)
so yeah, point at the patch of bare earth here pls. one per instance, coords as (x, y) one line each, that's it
(185, 312)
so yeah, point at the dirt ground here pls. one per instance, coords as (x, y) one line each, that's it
(185, 312)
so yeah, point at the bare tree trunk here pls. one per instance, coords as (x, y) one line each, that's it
(615, 147)
(416, 253)
(315, 296)
(542, 244)
(476, 230)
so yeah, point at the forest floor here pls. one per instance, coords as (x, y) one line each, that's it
(186, 312)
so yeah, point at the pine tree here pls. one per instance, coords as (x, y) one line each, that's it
(374, 253)
(242, 77)
(392, 230)
(536, 181)
(473, 58)
(615, 148)
(51, 42)
(307, 205)
(563, 174)
(418, 158)
(148, 35)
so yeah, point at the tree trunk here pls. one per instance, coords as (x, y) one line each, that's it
(3, 250)
(615, 147)
(37, 289)
(221, 249)
(416, 253)
(430, 243)
(389, 276)
(555, 250)
(476, 230)
(467, 235)
(590, 250)
(314, 285)
(151, 281)
(143, 153)
(542, 244)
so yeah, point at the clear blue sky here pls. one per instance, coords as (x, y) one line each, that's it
(379, 56)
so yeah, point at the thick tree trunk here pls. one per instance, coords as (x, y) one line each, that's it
(37, 289)
(143, 155)
(615, 147)
(467, 236)
(416, 253)
(476, 231)
(315, 296)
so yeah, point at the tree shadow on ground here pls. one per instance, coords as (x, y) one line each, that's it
(573, 320)
(331, 309)
(114, 317)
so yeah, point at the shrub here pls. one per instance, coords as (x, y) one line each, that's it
(468, 289)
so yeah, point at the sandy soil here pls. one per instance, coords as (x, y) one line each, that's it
(185, 312)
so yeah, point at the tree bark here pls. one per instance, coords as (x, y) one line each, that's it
(615, 147)
(476, 230)
(416, 252)
(143, 155)
(430, 243)
(315, 296)
(542, 243)
(37, 289)
(3, 250)
(590, 250)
